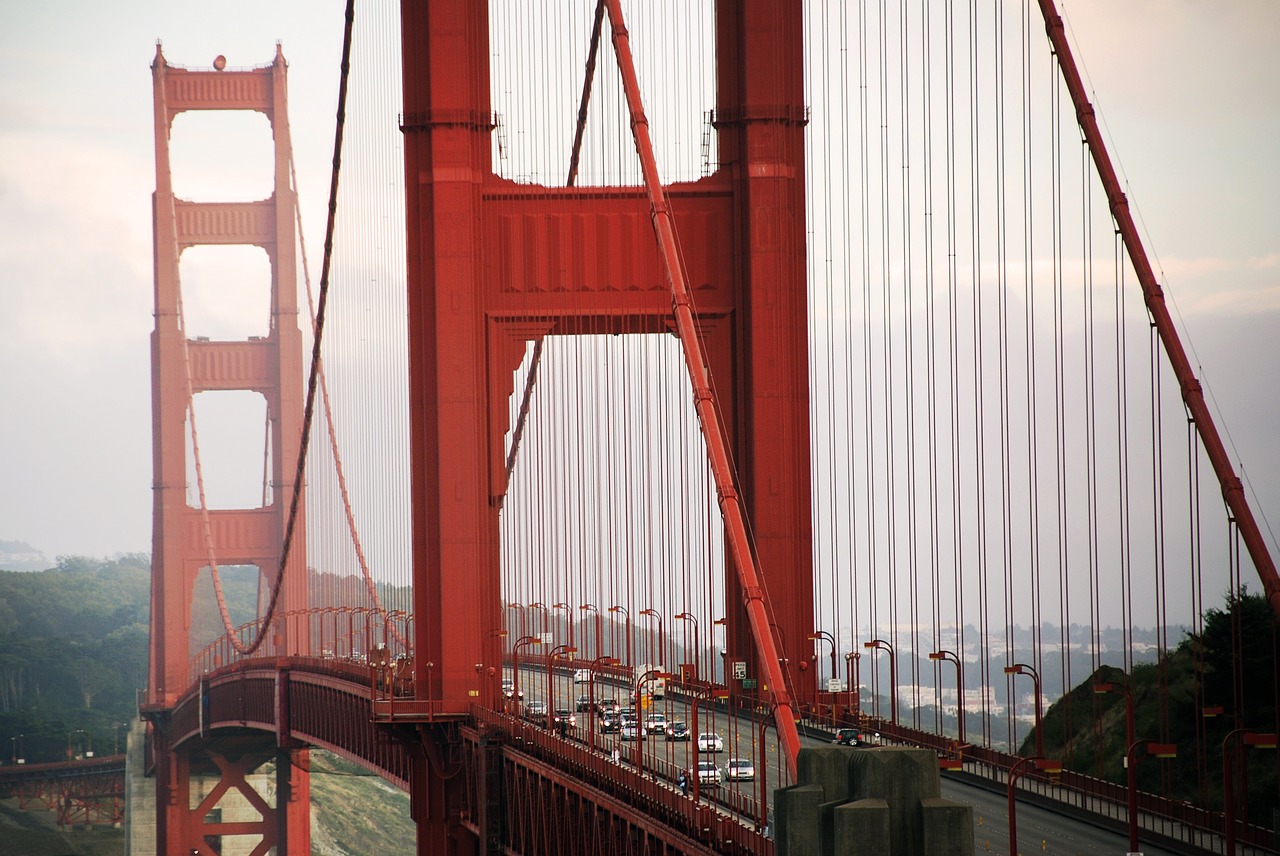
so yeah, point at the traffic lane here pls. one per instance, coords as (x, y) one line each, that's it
(1039, 830)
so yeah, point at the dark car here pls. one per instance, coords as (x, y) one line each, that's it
(678, 730)
(584, 704)
(849, 737)
(610, 724)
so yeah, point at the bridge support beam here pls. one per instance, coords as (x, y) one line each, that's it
(436, 802)
(207, 794)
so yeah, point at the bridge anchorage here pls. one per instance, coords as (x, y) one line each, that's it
(671, 415)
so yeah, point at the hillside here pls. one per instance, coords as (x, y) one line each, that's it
(1087, 729)
(73, 654)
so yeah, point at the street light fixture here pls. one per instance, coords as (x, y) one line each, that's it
(568, 617)
(1247, 738)
(497, 673)
(631, 660)
(690, 617)
(592, 607)
(1043, 765)
(1024, 669)
(660, 657)
(515, 663)
(853, 676)
(713, 693)
(558, 651)
(592, 668)
(952, 657)
(636, 685)
(546, 615)
(1158, 750)
(1121, 689)
(882, 645)
(519, 606)
(824, 635)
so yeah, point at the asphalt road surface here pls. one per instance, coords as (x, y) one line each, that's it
(1040, 831)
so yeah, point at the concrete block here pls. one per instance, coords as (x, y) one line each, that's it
(893, 772)
(827, 766)
(947, 827)
(861, 828)
(796, 824)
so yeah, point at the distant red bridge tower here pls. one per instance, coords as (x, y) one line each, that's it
(186, 538)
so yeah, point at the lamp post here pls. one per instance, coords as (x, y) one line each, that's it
(592, 668)
(1159, 750)
(713, 693)
(115, 732)
(1247, 738)
(568, 617)
(631, 660)
(515, 663)
(496, 684)
(636, 684)
(952, 657)
(853, 677)
(546, 616)
(659, 657)
(763, 820)
(687, 616)
(825, 636)
(519, 606)
(1123, 690)
(724, 653)
(1024, 669)
(19, 754)
(882, 645)
(558, 651)
(592, 608)
(1044, 765)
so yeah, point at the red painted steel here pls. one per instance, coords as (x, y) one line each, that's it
(755, 596)
(486, 275)
(185, 539)
(1192, 392)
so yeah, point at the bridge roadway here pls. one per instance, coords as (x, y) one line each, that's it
(323, 705)
(1040, 829)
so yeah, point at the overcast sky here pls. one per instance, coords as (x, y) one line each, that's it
(1188, 91)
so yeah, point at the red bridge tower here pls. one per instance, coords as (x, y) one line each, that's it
(186, 538)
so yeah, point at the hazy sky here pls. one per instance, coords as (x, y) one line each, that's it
(1188, 91)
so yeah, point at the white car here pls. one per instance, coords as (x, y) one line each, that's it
(740, 770)
(708, 774)
(709, 741)
(656, 723)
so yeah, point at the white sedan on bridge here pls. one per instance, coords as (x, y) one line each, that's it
(709, 741)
